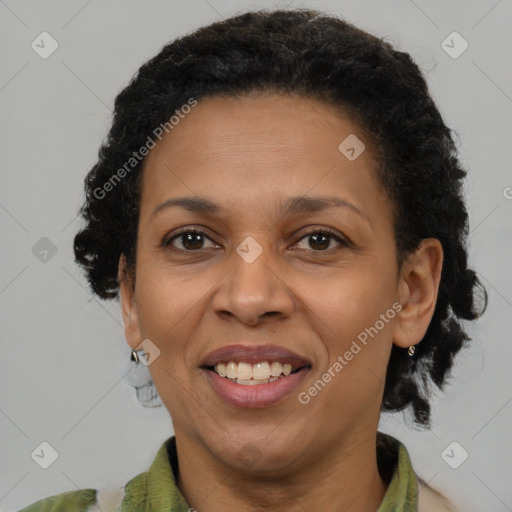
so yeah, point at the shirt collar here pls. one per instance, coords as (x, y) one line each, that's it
(157, 488)
(402, 492)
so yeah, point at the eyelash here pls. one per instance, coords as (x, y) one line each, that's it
(326, 231)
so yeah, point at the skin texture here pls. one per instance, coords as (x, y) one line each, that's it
(248, 154)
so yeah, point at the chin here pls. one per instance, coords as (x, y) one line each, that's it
(257, 451)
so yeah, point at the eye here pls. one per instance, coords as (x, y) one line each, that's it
(320, 239)
(190, 239)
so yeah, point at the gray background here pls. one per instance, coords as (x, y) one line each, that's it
(64, 352)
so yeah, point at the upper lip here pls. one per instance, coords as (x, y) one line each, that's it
(254, 354)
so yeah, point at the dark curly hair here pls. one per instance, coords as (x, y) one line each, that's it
(319, 56)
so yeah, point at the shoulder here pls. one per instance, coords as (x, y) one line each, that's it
(429, 500)
(71, 501)
(83, 500)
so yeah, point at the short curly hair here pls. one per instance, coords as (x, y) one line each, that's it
(315, 55)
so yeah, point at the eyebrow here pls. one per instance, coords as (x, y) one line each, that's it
(293, 205)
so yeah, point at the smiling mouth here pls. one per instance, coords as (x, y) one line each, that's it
(248, 374)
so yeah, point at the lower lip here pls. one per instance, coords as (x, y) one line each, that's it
(257, 395)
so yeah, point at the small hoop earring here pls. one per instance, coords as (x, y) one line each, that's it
(411, 350)
(134, 357)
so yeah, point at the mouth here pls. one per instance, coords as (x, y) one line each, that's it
(254, 376)
(248, 374)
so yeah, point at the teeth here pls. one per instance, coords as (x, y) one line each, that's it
(231, 370)
(252, 382)
(247, 382)
(276, 369)
(244, 371)
(260, 371)
(221, 369)
(249, 374)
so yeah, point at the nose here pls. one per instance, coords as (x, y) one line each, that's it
(254, 288)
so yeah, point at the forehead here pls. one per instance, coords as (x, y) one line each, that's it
(290, 127)
(258, 148)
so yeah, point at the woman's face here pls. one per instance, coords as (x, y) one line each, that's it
(265, 275)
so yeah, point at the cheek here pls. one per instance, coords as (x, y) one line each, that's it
(357, 317)
(171, 308)
(165, 305)
(355, 300)
(349, 383)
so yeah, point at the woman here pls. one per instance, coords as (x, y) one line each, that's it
(279, 209)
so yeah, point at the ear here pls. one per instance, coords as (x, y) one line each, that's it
(418, 288)
(128, 306)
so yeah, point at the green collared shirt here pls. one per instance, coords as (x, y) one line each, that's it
(156, 489)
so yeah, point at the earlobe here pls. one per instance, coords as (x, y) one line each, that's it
(418, 289)
(128, 305)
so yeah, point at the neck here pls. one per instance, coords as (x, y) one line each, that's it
(347, 475)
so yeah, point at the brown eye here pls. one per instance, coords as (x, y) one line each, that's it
(320, 240)
(194, 239)
(190, 240)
